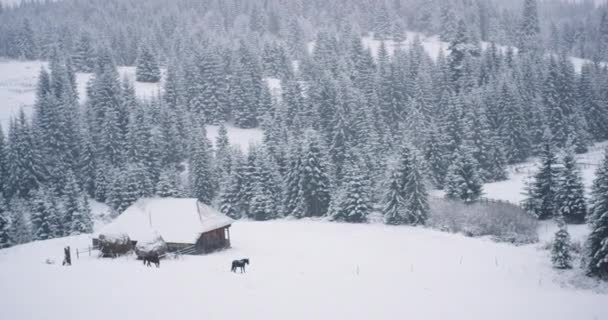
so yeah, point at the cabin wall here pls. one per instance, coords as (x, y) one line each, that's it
(213, 241)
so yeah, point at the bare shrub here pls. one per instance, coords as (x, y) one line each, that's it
(153, 246)
(114, 245)
(504, 222)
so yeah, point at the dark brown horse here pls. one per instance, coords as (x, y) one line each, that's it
(239, 264)
(152, 258)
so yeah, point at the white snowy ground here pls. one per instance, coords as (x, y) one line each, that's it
(513, 190)
(302, 270)
(18, 90)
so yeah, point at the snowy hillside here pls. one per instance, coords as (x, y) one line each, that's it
(302, 270)
(18, 90)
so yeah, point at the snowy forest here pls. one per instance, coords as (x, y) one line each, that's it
(352, 131)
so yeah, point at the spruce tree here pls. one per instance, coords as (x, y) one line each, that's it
(395, 211)
(147, 69)
(313, 181)
(597, 241)
(463, 181)
(561, 247)
(529, 39)
(202, 180)
(20, 228)
(5, 225)
(44, 214)
(570, 195)
(167, 185)
(541, 193)
(353, 202)
(84, 53)
(416, 194)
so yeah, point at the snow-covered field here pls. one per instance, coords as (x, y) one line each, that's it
(18, 90)
(513, 190)
(301, 270)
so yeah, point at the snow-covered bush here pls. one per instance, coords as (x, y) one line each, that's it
(155, 245)
(502, 221)
(112, 245)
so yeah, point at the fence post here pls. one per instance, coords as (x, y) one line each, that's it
(77, 254)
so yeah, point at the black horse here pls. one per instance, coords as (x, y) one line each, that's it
(152, 258)
(239, 264)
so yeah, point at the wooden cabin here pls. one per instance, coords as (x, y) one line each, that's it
(186, 225)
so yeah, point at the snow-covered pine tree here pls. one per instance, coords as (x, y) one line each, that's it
(416, 194)
(20, 228)
(448, 22)
(561, 247)
(597, 241)
(594, 109)
(202, 180)
(541, 192)
(83, 59)
(44, 215)
(512, 128)
(231, 198)
(394, 210)
(25, 42)
(167, 186)
(461, 47)
(353, 203)
(3, 165)
(223, 156)
(5, 225)
(434, 151)
(313, 187)
(570, 194)
(487, 149)
(83, 222)
(23, 159)
(265, 194)
(529, 39)
(75, 218)
(462, 180)
(147, 68)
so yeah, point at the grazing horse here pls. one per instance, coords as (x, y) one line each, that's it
(239, 264)
(152, 258)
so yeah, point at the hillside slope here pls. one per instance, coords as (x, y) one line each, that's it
(302, 270)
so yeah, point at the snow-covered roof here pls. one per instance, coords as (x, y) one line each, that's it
(175, 220)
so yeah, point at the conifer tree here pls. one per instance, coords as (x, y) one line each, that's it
(44, 215)
(202, 180)
(73, 217)
(167, 185)
(232, 196)
(82, 222)
(434, 151)
(83, 59)
(20, 228)
(312, 193)
(264, 200)
(530, 28)
(5, 225)
(353, 202)
(395, 211)
(416, 194)
(570, 195)
(560, 250)
(541, 193)
(597, 241)
(462, 180)
(147, 69)
(512, 129)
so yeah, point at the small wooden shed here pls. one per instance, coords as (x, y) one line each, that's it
(186, 225)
